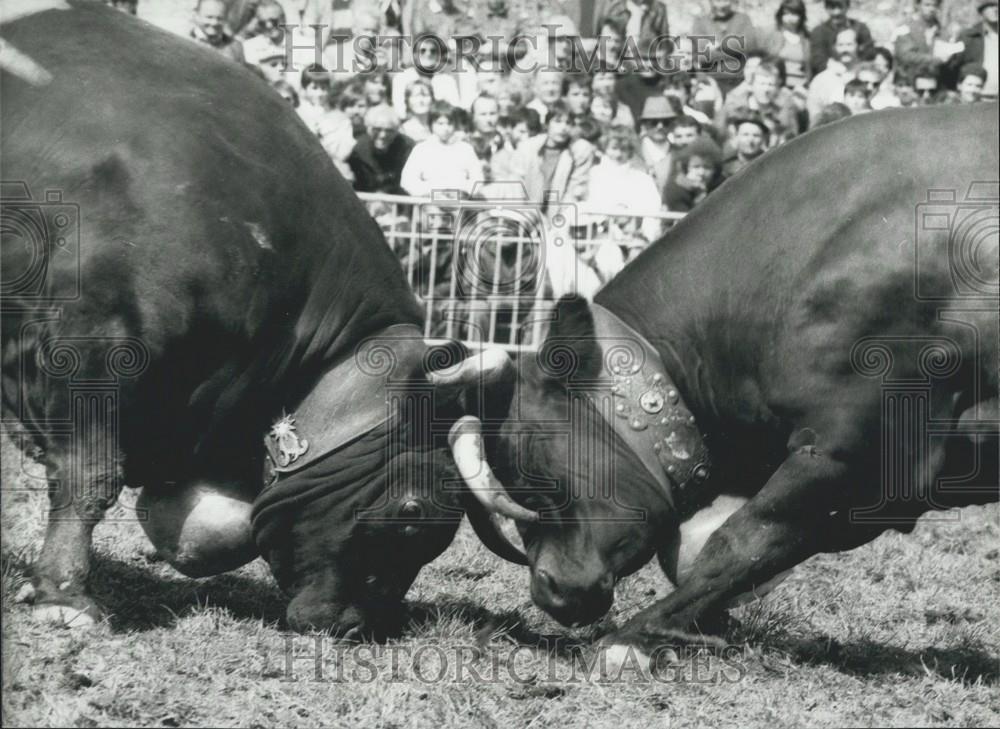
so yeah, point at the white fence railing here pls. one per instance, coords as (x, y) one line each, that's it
(488, 272)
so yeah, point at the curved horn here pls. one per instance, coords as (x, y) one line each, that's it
(466, 441)
(489, 366)
(487, 528)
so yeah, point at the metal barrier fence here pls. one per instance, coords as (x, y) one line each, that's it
(489, 271)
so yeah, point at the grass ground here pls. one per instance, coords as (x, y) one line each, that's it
(902, 632)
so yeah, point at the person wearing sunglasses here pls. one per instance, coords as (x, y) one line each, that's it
(430, 61)
(266, 50)
(926, 85)
(655, 150)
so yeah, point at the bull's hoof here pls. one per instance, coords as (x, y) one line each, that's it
(26, 593)
(151, 554)
(619, 657)
(65, 611)
(76, 617)
(655, 647)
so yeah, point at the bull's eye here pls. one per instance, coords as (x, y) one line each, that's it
(411, 510)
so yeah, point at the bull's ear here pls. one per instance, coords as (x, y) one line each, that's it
(571, 351)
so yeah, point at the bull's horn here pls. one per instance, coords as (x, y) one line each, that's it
(489, 366)
(487, 528)
(466, 440)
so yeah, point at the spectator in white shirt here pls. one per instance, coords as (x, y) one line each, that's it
(828, 86)
(618, 184)
(440, 162)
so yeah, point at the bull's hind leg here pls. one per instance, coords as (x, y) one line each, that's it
(201, 527)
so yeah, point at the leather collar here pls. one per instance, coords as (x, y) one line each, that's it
(351, 399)
(648, 412)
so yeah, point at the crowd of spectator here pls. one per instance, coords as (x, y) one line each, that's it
(640, 121)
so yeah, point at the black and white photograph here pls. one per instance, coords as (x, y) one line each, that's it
(500, 363)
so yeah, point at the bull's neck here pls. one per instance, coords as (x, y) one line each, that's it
(666, 313)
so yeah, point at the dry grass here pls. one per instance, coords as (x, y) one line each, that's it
(902, 632)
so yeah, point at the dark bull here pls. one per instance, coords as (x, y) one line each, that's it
(807, 360)
(196, 303)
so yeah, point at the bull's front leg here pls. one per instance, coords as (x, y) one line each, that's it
(800, 511)
(81, 489)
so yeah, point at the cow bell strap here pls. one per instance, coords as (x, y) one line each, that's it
(647, 411)
(352, 398)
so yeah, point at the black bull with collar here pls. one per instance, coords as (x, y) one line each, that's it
(185, 273)
(806, 360)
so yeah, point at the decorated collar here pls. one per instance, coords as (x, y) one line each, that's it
(647, 410)
(351, 399)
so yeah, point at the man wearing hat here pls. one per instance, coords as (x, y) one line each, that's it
(751, 137)
(658, 114)
(980, 47)
(823, 37)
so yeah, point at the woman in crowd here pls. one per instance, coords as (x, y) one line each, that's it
(509, 97)
(331, 125)
(885, 95)
(441, 162)
(352, 102)
(696, 174)
(605, 105)
(376, 87)
(419, 97)
(430, 62)
(790, 42)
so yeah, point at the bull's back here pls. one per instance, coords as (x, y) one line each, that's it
(213, 229)
(783, 277)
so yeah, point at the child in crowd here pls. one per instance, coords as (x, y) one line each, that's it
(696, 175)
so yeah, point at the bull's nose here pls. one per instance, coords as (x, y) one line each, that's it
(572, 602)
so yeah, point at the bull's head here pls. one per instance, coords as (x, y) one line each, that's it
(362, 491)
(599, 503)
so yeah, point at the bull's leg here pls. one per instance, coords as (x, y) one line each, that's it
(77, 502)
(800, 511)
(201, 527)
